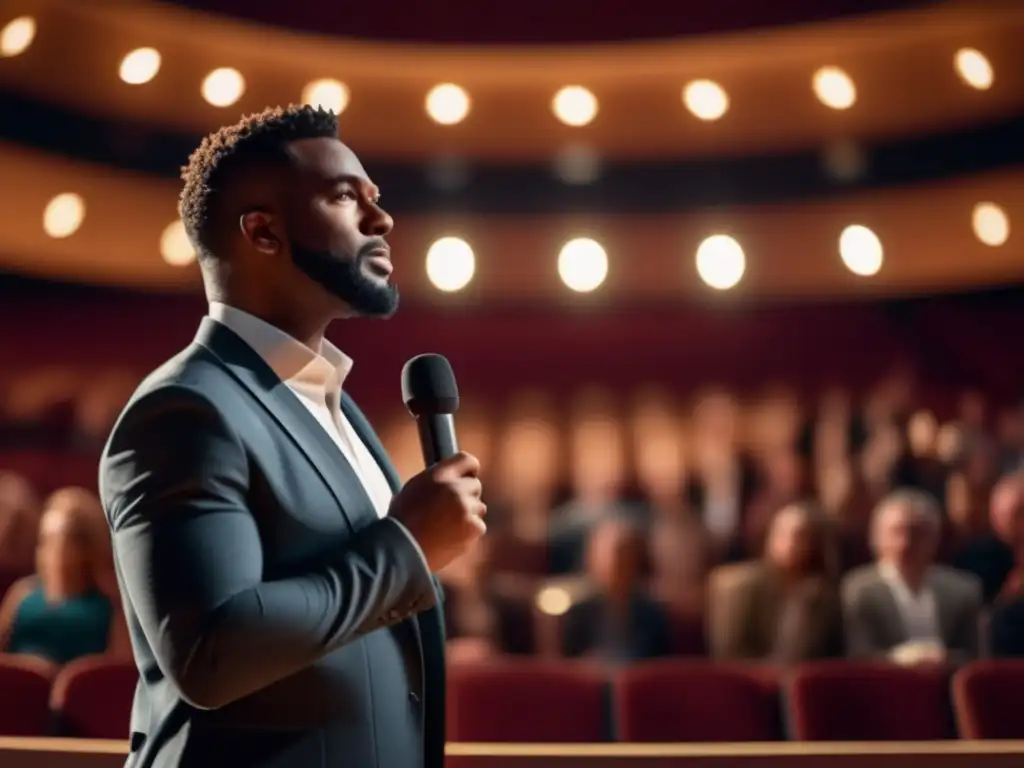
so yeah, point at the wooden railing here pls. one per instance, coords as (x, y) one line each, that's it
(83, 753)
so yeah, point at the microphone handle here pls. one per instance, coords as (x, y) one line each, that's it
(437, 437)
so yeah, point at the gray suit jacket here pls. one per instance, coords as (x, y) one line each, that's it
(276, 621)
(874, 625)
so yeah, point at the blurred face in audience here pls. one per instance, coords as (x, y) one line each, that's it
(1007, 512)
(905, 535)
(64, 557)
(614, 556)
(529, 457)
(19, 521)
(790, 543)
(16, 496)
(598, 461)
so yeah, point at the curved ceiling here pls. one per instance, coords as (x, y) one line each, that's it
(900, 62)
(535, 21)
(791, 249)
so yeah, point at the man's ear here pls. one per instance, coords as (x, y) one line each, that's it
(259, 228)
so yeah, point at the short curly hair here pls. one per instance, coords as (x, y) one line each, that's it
(256, 138)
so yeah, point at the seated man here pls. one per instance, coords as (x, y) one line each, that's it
(905, 607)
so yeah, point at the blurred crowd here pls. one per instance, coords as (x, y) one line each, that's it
(622, 526)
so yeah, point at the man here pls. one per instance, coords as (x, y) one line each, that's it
(994, 556)
(276, 581)
(905, 607)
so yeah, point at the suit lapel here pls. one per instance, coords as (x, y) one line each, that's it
(295, 420)
(945, 615)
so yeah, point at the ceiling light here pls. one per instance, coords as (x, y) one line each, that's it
(834, 88)
(140, 66)
(331, 95)
(721, 262)
(223, 87)
(705, 99)
(574, 105)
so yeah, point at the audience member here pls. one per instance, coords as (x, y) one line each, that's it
(62, 612)
(19, 525)
(785, 606)
(1006, 629)
(996, 557)
(906, 607)
(618, 623)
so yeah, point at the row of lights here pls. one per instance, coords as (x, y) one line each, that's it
(449, 104)
(582, 262)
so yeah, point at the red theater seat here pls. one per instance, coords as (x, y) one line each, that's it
(92, 697)
(525, 700)
(24, 696)
(989, 697)
(694, 701)
(869, 701)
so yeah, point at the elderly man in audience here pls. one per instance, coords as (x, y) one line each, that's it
(906, 607)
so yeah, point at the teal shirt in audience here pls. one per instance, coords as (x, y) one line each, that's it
(61, 632)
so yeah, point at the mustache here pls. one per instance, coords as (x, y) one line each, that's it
(372, 245)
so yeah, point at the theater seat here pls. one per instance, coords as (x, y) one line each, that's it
(527, 700)
(869, 701)
(24, 696)
(696, 701)
(988, 697)
(92, 698)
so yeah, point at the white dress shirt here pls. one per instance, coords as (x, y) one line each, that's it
(919, 611)
(316, 380)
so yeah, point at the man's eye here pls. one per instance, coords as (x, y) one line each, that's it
(345, 194)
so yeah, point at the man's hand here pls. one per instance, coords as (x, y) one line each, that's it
(441, 508)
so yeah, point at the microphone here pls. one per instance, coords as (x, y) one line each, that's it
(432, 396)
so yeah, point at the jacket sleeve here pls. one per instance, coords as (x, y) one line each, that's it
(174, 481)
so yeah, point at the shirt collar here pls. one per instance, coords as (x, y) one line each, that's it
(895, 580)
(289, 358)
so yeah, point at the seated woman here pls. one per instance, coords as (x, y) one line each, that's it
(784, 607)
(65, 610)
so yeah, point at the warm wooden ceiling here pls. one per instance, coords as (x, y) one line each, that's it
(901, 63)
(791, 250)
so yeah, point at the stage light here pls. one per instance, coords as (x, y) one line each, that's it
(64, 215)
(223, 87)
(140, 66)
(583, 265)
(554, 601)
(574, 105)
(450, 264)
(974, 68)
(327, 94)
(721, 262)
(705, 99)
(834, 88)
(991, 224)
(447, 104)
(861, 250)
(17, 35)
(175, 247)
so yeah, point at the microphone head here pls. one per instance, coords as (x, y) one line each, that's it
(428, 386)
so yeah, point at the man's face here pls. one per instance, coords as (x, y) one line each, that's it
(335, 227)
(905, 536)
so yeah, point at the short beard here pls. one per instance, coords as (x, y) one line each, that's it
(344, 279)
